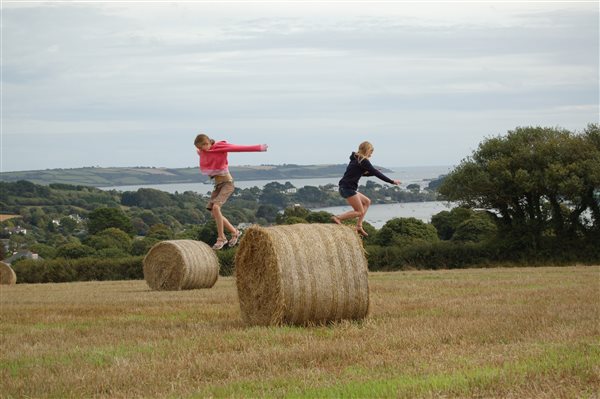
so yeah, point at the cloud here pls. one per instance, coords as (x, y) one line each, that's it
(253, 72)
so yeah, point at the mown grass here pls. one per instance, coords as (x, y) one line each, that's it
(521, 332)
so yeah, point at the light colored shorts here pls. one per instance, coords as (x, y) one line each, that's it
(220, 194)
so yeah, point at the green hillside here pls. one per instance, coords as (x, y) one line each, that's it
(107, 177)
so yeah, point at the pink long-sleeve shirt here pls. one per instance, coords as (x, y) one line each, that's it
(214, 161)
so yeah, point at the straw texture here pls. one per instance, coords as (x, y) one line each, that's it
(7, 274)
(301, 274)
(180, 265)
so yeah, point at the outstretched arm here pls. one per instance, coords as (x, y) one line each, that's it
(222, 146)
(370, 170)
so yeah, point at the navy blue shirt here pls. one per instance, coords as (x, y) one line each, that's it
(356, 170)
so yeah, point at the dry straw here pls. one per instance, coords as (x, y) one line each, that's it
(301, 274)
(181, 265)
(7, 275)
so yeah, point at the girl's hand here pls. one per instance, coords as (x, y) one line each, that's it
(397, 182)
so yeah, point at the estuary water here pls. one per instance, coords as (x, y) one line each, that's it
(421, 175)
(378, 214)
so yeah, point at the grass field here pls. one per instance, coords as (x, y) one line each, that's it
(509, 333)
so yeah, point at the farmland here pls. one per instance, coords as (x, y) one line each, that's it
(502, 332)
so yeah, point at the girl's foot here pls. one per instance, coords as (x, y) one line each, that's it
(220, 243)
(359, 230)
(336, 220)
(234, 238)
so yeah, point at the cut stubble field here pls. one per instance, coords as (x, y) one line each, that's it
(502, 332)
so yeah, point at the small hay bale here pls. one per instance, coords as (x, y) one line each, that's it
(301, 274)
(180, 265)
(7, 274)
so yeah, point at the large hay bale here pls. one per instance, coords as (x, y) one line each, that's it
(181, 265)
(301, 274)
(7, 274)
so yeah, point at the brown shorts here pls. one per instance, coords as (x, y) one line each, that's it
(220, 194)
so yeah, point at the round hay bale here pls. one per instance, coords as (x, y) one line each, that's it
(180, 265)
(7, 274)
(301, 274)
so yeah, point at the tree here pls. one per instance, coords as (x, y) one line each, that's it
(446, 222)
(141, 247)
(319, 217)
(405, 231)
(110, 238)
(147, 198)
(435, 184)
(292, 215)
(110, 253)
(67, 224)
(476, 229)
(267, 212)
(293, 220)
(310, 195)
(160, 232)
(208, 233)
(273, 197)
(538, 180)
(43, 250)
(74, 250)
(104, 218)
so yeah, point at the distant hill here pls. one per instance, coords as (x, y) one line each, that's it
(107, 177)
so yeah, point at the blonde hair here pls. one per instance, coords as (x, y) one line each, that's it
(201, 139)
(364, 151)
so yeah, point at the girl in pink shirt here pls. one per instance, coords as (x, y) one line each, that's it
(213, 163)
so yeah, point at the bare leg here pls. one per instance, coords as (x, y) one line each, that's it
(216, 212)
(221, 222)
(358, 211)
(228, 226)
(366, 202)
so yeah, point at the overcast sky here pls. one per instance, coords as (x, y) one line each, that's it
(132, 83)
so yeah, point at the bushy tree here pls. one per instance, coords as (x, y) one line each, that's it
(446, 222)
(310, 195)
(267, 212)
(149, 217)
(74, 250)
(208, 233)
(297, 211)
(141, 247)
(160, 232)
(147, 198)
(43, 250)
(293, 220)
(110, 238)
(319, 217)
(272, 193)
(110, 253)
(67, 225)
(538, 180)
(476, 229)
(104, 218)
(405, 231)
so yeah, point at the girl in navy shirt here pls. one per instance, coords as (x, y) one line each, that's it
(348, 186)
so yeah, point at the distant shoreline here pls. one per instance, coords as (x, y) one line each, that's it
(125, 176)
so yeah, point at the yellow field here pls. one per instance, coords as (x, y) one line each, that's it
(517, 333)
